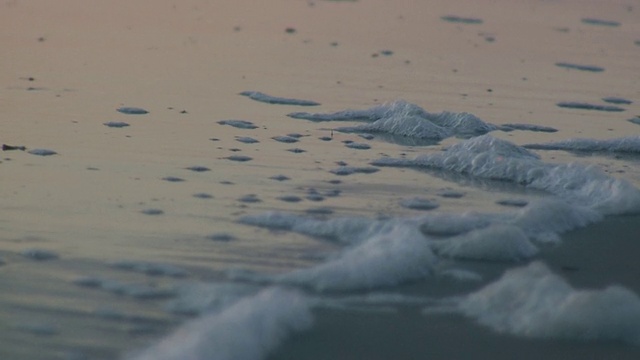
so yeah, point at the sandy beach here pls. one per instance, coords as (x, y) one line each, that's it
(149, 195)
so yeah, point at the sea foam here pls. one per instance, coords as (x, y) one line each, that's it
(630, 144)
(378, 252)
(400, 118)
(491, 158)
(532, 301)
(247, 330)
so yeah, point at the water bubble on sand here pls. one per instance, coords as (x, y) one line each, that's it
(280, 178)
(527, 127)
(635, 120)
(629, 144)
(513, 202)
(40, 254)
(250, 198)
(42, 152)
(367, 136)
(452, 194)
(319, 211)
(132, 110)
(600, 22)
(349, 170)
(285, 139)
(418, 203)
(587, 106)
(325, 138)
(203, 195)
(289, 198)
(138, 291)
(240, 124)
(43, 329)
(148, 268)
(571, 66)
(461, 20)
(116, 124)
(262, 97)
(333, 193)
(246, 140)
(358, 146)
(314, 197)
(221, 237)
(152, 212)
(88, 282)
(172, 179)
(239, 158)
(198, 168)
(297, 150)
(617, 100)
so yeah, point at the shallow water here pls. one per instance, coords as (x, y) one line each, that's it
(442, 201)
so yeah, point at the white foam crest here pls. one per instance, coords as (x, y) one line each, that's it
(589, 186)
(398, 254)
(405, 119)
(395, 108)
(630, 144)
(491, 158)
(409, 126)
(248, 330)
(461, 123)
(350, 230)
(543, 219)
(443, 224)
(533, 302)
(493, 243)
(196, 298)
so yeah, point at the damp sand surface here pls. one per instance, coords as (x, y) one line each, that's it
(122, 221)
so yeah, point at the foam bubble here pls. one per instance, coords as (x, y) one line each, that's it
(533, 302)
(250, 329)
(387, 258)
(491, 158)
(198, 298)
(155, 269)
(493, 243)
(262, 97)
(630, 144)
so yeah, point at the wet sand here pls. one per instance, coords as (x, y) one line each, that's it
(68, 65)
